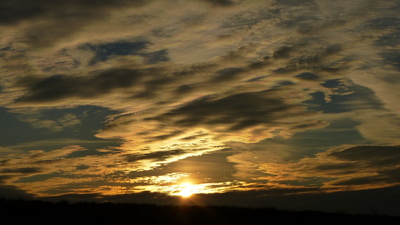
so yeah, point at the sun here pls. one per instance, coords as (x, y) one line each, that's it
(186, 190)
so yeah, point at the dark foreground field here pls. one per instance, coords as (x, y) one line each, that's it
(40, 212)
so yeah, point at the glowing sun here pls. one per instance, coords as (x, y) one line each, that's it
(187, 190)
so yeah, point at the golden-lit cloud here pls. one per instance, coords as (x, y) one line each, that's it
(351, 168)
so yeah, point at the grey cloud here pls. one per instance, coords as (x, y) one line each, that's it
(16, 11)
(295, 2)
(282, 52)
(388, 25)
(11, 192)
(360, 98)
(322, 15)
(392, 57)
(256, 78)
(310, 54)
(390, 39)
(371, 155)
(37, 121)
(166, 136)
(194, 69)
(321, 53)
(228, 74)
(242, 21)
(264, 62)
(183, 89)
(290, 18)
(237, 111)
(60, 87)
(4, 178)
(19, 10)
(345, 168)
(355, 166)
(106, 51)
(383, 177)
(9, 174)
(159, 156)
(157, 56)
(25, 170)
(385, 22)
(152, 86)
(71, 14)
(140, 83)
(315, 55)
(220, 2)
(231, 73)
(308, 76)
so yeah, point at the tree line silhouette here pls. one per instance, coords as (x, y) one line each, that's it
(44, 212)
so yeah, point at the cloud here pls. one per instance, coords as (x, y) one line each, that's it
(155, 155)
(41, 172)
(356, 168)
(212, 120)
(23, 10)
(37, 121)
(384, 132)
(236, 111)
(377, 165)
(170, 95)
(59, 171)
(104, 51)
(190, 80)
(107, 51)
(304, 56)
(247, 100)
(16, 166)
(370, 156)
(60, 87)
(43, 17)
(220, 2)
(11, 192)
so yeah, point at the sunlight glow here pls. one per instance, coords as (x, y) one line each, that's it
(187, 190)
(183, 189)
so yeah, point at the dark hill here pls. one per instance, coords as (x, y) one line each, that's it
(41, 212)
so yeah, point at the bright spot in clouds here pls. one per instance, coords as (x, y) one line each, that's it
(187, 190)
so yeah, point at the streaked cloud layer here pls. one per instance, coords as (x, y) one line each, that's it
(126, 97)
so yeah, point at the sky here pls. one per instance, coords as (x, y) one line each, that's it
(278, 103)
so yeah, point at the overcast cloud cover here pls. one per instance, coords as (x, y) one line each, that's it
(244, 98)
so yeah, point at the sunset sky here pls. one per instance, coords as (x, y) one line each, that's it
(283, 103)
